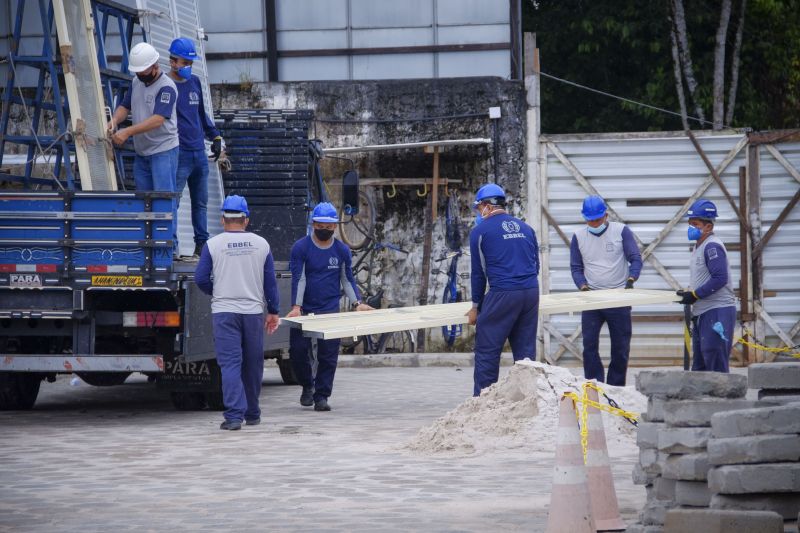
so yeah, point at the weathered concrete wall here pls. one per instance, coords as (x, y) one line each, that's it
(368, 112)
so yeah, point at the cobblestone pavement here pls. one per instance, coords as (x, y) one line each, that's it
(121, 459)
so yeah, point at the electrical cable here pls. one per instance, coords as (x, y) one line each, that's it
(628, 100)
(396, 120)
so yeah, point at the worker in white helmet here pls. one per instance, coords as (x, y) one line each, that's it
(151, 103)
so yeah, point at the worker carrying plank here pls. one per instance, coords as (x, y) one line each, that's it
(151, 102)
(710, 293)
(604, 255)
(237, 269)
(194, 126)
(505, 255)
(321, 269)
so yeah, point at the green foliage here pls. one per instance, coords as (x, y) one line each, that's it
(623, 47)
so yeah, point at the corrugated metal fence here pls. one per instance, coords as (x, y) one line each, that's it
(648, 181)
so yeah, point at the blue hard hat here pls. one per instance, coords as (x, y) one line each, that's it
(593, 208)
(183, 48)
(702, 208)
(324, 212)
(235, 202)
(490, 190)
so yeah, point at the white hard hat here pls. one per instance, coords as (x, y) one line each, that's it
(142, 57)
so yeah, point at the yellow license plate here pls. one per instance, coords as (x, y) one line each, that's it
(117, 281)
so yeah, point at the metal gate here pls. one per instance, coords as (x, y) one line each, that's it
(648, 181)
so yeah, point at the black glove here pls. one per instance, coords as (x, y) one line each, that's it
(629, 283)
(216, 147)
(585, 288)
(687, 297)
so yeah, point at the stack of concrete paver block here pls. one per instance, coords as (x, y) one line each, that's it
(673, 438)
(755, 453)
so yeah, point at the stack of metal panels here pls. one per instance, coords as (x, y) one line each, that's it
(269, 155)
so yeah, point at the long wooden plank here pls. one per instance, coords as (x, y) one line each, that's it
(340, 325)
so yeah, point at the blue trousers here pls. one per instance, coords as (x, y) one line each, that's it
(239, 342)
(302, 363)
(158, 172)
(193, 170)
(619, 329)
(710, 351)
(512, 315)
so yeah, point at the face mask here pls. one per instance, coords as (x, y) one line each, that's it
(694, 233)
(149, 78)
(323, 234)
(479, 216)
(183, 72)
(598, 230)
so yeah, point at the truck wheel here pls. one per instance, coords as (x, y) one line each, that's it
(18, 390)
(104, 379)
(287, 372)
(214, 401)
(187, 401)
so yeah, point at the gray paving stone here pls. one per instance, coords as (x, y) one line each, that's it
(786, 504)
(647, 434)
(755, 449)
(688, 467)
(651, 460)
(747, 479)
(692, 493)
(781, 420)
(641, 528)
(655, 410)
(687, 385)
(781, 396)
(773, 375)
(664, 489)
(698, 413)
(683, 440)
(722, 521)
(641, 477)
(654, 512)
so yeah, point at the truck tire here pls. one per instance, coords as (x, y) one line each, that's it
(18, 390)
(104, 379)
(188, 401)
(214, 401)
(287, 372)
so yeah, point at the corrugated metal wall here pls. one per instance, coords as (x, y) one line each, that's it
(646, 178)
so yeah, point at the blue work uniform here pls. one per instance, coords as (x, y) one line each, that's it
(236, 268)
(319, 275)
(505, 254)
(605, 261)
(194, 126)
(714, 313)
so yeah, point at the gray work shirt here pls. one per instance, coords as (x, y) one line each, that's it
(699, 274)
(144, 101)
(238, 271)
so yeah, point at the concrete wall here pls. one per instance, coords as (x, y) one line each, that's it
(400, 220)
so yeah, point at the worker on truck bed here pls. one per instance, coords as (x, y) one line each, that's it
(151, 102)
(710, 293)
(236, 268)
(194, 126)
(504, 254)
(604, 255)
(321, 269)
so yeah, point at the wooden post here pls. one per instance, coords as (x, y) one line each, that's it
(754, 219)
(435, 191)
(745, 287)
(427, 246)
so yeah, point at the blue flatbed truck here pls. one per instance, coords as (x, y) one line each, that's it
(88, 285)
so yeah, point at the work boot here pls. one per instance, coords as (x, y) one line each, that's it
(307, 398)
(198, 249)
(253, 422)
(231, 425)
(322, 405)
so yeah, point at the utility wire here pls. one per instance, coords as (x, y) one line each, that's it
(634, 102)
(395, 120)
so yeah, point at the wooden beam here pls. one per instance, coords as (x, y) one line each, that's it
(555, 225)
(718, 179)
(272, 40)
(773, 325)
(404, 182)
(573, 337)
(760, 245)
(774, 152)
(564, 341)
(435, 191)
(529, 48)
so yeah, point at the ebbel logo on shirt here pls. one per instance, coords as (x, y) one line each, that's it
(194, 98)
(165, 97)
(333, 262)
(512, 230)
(712, 253)
(610, 247)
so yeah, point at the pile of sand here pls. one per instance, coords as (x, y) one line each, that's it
(521, 410)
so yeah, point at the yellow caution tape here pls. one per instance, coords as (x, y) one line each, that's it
(583, 413)
(771, 349)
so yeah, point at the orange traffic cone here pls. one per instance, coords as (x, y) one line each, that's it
(598, 470)
(570, 509)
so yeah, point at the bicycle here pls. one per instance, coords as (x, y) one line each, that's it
(453, 290)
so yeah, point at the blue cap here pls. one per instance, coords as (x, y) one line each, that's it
(235, 203)
(490, 190)
(183, 48)
(593, 208)
(702, 208)
(324, 212)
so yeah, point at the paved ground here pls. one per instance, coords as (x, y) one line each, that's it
(121, 459)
